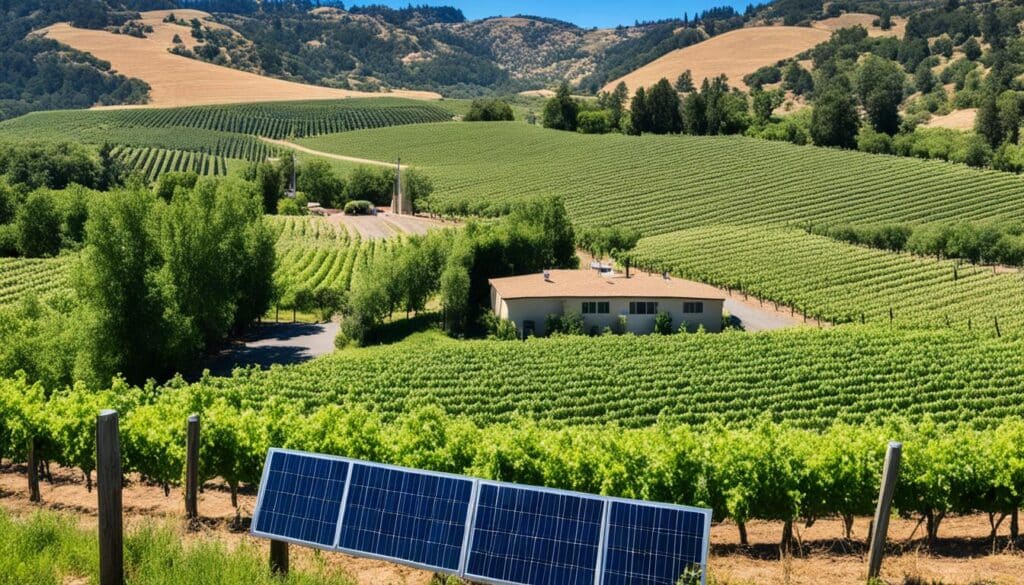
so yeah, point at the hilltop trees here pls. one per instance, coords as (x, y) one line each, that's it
(834, 121)
(879, 86)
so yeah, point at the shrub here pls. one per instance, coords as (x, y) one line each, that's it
(594, 122)
(663, 323)
(489, 110)
(358, 207)
(288, 206)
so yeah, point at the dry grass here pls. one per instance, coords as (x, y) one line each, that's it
(899, 25)
(736, 53)
(179, 81)
(956, 120)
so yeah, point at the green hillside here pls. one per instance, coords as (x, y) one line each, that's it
(812, 378)
(839, 282)
(664, 183)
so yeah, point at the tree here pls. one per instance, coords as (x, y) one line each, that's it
(879, 85)
(317, 180)
(1009, 104)
(169, 183)
(123, 310)
(987, 123)
(684, 84)
(38, 224)
(695, 114)
(834, 120)
(594, 122)
(971, 49)
(663, 109)
(640, 116)
(370, 184)
(270, 184)
(560, 112)
(764, 104)
(924, 79)
(615, 103)
(489, 110)
(797, 79)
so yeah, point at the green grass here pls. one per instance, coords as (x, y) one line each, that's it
(664, 183)
(50, 549)
(839, 282)
(811, 378)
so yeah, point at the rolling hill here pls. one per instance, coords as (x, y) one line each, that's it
(659, 184)
(176, 81)
(734, 54)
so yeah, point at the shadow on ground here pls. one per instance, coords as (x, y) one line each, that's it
(275, 343)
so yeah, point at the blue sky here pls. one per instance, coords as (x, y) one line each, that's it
(602, 13)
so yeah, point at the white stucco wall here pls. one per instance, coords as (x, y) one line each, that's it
(519, 311)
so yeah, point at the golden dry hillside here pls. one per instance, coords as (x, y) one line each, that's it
(179, 81)
(736, 53)
(899, 25)
(956, 120)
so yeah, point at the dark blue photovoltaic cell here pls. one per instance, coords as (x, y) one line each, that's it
(406, 515)
(650, 545)
(523, 535)
(302, 498)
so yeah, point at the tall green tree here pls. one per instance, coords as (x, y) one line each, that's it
(560, 111)
(987, 123)
(317, 180)
(38, 225)
(640, 115)
(663, 109)
(879, 84)
(115, 279)
(834, 119)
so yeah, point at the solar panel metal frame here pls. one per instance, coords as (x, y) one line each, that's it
(706, 539)
(467, 543)
(259, 500)
(471, 506)
(601, 542)
(335, 547)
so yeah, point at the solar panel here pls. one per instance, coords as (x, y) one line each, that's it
(416, 517)
(300, 498)
(533, 536)
(653, 544)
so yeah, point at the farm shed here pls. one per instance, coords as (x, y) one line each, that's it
(602, 298)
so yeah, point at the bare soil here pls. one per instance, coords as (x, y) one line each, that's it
(964, 554)
(899, 24)
(735, 54)
(956, 120)
(177, 81)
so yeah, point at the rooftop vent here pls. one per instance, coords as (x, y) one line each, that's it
(547, 276)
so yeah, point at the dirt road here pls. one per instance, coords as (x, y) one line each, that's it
(352, 159)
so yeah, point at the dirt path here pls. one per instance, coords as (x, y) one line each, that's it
(276, 343)
(300, 148)
(385, 225)
(964, 554)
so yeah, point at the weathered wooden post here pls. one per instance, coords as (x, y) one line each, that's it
(999, 332)
(192, 468)
(880, 526)
(278, 557)
(33, 471)
(108, 489)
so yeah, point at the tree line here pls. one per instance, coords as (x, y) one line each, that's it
(990, 243)
(155, 285)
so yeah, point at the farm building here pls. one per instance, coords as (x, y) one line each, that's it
(601, 298)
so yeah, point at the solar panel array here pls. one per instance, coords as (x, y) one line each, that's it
(488, 532)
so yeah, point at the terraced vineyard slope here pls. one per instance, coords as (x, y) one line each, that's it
(809, 377)
(659, 184)
(839, 282)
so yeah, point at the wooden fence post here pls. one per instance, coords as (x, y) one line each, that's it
(880, 526)
(33, 472)
(278, 557)
(108, 489)
(999, 333)
(192, 468)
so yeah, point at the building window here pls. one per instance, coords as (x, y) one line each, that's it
(596, 308)
(643, 308)
(694, 307)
